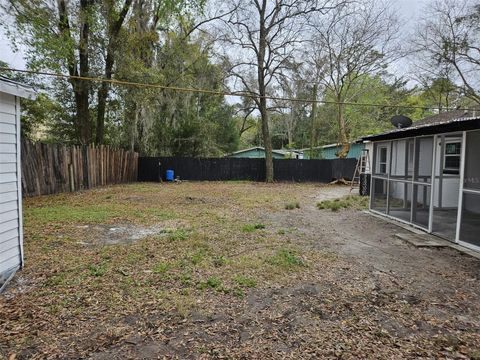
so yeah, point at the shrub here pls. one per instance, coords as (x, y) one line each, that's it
(292, 205)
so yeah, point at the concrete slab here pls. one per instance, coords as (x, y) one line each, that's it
(422, 240)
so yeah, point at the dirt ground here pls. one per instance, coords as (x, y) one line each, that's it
(224, 270)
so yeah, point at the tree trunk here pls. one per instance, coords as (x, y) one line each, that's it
(267, 141)
(262, 101)
(81, 89)
(82, 113)
(102, 95)
(102, 104)
(343, 132)
(312, 119)
(82, 110)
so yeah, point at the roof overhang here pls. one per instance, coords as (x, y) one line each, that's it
(17, 89)
(461, 124)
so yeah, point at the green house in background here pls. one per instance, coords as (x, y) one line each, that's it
(330, 151)
(258, 152)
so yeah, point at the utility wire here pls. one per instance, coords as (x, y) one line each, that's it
(224, 93)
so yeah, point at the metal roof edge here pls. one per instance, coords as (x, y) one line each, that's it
(454, 124)
(17, 89)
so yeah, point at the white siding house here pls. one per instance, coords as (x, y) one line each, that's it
(11, 235)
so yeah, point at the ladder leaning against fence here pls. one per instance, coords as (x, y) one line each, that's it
(363, 165)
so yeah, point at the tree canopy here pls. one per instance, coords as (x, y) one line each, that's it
(261, 65)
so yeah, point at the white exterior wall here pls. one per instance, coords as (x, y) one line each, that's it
(369, 147)
(11, 256)
(451, 183)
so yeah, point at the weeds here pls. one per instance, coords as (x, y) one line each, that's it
(178, 235)
(161, 267)
(98, 269)
(252, 227)
(244, 281)
(356, 202)
(286, 259)
(212, 282)
(292, 205)
(219, 261)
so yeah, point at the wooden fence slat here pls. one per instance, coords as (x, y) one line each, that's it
(45, 167)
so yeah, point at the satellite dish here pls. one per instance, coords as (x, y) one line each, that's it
(401, 121)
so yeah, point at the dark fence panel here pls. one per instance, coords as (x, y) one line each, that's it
(213, 169)
(343, 168)
(302, 170)
(219, 169)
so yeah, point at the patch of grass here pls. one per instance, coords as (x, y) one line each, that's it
(245, 281)
(212, 282)
(252, 227)
(219, 261)
(356, 202)
(161, 268)
(98, 270)
(178, 235)
(292, 205)
(286, 259)
(186, 279)
(70, 213)
(198, 256)
(238, 292)
(57, 279)
(157, 213)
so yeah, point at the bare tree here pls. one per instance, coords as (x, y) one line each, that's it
(448, 40)
(356, 40)
(262, 36)
(293, 87)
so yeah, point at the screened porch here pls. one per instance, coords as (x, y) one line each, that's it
(425, 180)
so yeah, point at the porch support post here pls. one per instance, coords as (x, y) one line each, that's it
(432, 185)
(413, 207)
(460, 188)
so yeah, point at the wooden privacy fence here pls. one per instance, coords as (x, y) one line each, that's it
(55, 168)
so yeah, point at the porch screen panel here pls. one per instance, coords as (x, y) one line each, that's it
(402, 160)
(400, 200)
(472, 161)
(421, 205)
(423, 159)
(379, 195)
(470, 221)
(470, 227)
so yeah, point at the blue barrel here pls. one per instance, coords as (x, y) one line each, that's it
(169, 175)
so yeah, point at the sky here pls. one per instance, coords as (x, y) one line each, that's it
(409, 11)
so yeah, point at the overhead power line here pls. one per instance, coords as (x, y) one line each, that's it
(224, 93)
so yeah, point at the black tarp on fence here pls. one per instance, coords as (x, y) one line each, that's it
(220, 169)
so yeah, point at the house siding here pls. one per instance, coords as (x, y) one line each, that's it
(10, 198)
(255, 154)
(330, 153)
